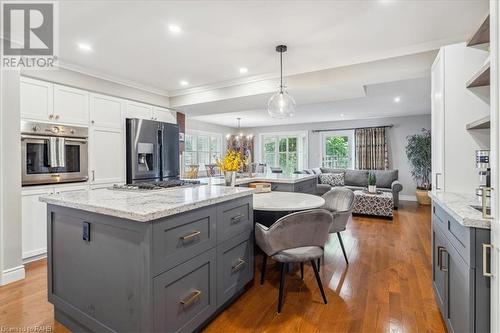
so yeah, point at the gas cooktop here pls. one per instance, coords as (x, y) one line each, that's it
(147, 186)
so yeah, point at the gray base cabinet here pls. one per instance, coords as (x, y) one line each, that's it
(169, 275)
(461, 290)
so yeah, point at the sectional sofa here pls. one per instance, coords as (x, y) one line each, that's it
(387, 180)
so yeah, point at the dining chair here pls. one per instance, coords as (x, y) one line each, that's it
(339, 201)
(295, 238)
(192, 172)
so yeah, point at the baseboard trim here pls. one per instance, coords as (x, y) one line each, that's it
(12, 275)
(40, 256)
(37, 254)
(405, 197)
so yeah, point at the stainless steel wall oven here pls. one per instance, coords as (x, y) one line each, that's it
(53, 153)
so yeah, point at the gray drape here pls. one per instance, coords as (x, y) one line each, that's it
(371, 148)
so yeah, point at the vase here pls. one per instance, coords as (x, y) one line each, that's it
(230, 178)
(372, 188)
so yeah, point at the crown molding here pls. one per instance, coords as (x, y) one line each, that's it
(111, 78)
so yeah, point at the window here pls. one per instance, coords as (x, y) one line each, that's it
(337, 149)
(202, 148)
(287, 151)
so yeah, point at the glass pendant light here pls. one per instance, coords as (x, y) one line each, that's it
(281, 104)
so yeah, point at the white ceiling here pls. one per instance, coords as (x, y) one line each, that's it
(131, 41)
(378, 102)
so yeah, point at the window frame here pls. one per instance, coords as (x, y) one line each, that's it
(351, 145)
(210, 135)
(302, 144)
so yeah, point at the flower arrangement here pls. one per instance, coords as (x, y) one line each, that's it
(230, 162)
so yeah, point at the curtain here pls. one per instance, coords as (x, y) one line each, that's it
(371, 148)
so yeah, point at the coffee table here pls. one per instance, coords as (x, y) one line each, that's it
(380, 204)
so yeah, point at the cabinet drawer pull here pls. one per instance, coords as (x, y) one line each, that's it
(190, 235)
(237, 218)
(485, 261)
(239, 265)
(441, 265)
(193, 297)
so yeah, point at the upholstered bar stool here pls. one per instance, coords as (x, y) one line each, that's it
(295, 238)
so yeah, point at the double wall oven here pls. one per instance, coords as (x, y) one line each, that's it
(53, 154)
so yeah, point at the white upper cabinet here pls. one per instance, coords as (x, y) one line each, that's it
(164, 115)
(71, 106)
(437, 97)
(36, 99)
(106, 111)
(139, 110)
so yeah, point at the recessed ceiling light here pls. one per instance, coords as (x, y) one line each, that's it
(175, 29)
(84, 47)
(341, 114)
(243, 70)
(184, 83)
(397, 99)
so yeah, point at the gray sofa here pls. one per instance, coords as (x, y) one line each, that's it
(387, 180)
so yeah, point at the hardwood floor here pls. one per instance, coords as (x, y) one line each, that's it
(387, 287)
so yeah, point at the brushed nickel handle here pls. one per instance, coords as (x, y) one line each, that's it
(191, 298)
(92, 122)
(190, 235)
(93, 175)
(237, 218)
(485, 261)
(484, 202)
(441, 250)
(239, 265)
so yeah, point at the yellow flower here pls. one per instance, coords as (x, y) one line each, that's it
(230, 162)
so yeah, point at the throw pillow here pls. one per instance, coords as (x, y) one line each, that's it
(332, 179)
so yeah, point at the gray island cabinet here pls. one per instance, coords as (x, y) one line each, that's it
(461, 288)
(141, 262)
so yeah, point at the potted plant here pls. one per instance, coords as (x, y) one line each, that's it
(418, 151)
(230, 164)
(372, 183)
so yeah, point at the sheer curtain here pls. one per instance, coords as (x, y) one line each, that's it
(371, 148)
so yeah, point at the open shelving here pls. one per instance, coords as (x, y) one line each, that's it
(482, 34)
(481, 78)
(483, 123)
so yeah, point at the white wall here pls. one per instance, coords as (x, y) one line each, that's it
(11, 266)
(403, 126)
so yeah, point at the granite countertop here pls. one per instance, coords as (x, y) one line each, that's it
(459, 207)
(270, 177)
(146, 206)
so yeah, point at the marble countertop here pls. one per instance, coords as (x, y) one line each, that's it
(270, 177)
(459, 207)
(146, 206)
(286, 201)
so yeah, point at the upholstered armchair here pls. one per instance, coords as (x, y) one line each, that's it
(295, 238)
(339, 201)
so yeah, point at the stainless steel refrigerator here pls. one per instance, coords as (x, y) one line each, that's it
(152, 150)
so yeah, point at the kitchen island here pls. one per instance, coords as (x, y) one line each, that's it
(303, 183)
(147, 261)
